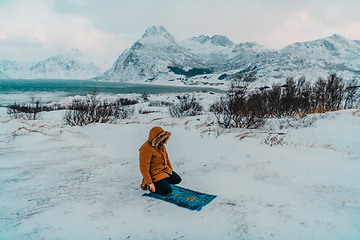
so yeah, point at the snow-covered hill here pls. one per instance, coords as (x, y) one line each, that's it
(157, 56)
(70, 65)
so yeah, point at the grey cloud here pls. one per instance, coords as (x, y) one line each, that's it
(20, 41)
(133, 16)
(261, 21)
(182, 17)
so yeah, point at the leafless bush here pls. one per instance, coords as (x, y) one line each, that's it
(222, 113)
(243, 108)
(159, 104)
(93, 110)
(52, 107)
(32, 110)
(328, 94)
(126, 101)
(352, 98)
(25, 111)
(239, 108)
(186, 107)
(145, 97)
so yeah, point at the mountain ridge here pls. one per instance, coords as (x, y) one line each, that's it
(212, 57)
(158, 57)
(72, 64)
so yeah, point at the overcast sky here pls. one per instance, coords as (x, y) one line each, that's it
(102, 29)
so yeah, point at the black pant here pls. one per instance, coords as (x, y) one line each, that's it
(163, 187)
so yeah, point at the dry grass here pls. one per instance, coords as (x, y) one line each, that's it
(155, 119)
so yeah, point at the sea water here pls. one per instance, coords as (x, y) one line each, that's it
(52, 90)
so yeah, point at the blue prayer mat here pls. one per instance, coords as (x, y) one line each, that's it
(185, 198)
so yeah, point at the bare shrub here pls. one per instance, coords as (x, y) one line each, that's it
(222, 113)
(272, 100)
(328, 94)
(52, 107)
(126, 101)
(186, 107)
(239, 108)
(243, 108)
(145, 97)
(159, 104)
(93, 110)
(351, 98)
(25, 111)
(32, 110)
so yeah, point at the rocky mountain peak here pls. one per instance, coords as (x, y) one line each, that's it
(200, 39)
(341, 42)
(221, 41)
(248, 45)
(336, 37)
(157, 31)
(217, 40)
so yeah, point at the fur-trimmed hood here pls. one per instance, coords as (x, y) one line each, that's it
(158, 135)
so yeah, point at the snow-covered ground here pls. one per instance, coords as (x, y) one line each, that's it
(63, 182)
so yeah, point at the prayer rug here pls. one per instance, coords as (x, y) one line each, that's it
(185, 198)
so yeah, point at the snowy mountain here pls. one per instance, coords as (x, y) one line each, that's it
(3, 76)
(150, 57)
(212, 50)
(310, 59)
(70, 65)
(331, 48)
(157, 56)
(335, 53)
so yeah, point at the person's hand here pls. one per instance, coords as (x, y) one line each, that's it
(152, 187)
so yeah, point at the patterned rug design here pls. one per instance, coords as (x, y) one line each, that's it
(185, 198)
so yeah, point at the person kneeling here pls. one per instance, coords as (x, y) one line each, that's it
(155, 165)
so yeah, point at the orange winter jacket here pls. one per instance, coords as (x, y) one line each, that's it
(153, 159)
